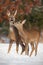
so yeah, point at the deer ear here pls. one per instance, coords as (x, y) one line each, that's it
(23, 21)
(15, 13)
(8, 13)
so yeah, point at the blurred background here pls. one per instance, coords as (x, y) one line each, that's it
(31, 10)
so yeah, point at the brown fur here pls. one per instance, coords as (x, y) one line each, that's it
(14, 36)
(32, 36)
(13, 32)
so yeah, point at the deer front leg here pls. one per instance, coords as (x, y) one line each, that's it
(23, 47)
(26, 49)
(17, 46)
(32, 45)
(10, 45)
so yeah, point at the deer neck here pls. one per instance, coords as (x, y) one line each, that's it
(11, 28)
(20, 29)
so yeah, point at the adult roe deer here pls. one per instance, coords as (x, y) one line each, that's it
(13, 33)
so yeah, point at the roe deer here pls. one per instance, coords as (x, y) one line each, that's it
(13, 33)
(32, 36)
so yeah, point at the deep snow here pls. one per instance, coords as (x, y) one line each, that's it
(16, 59)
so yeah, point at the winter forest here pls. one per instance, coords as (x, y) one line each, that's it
(21, 32)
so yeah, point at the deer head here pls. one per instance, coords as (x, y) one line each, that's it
(20, 23)
(11, 16)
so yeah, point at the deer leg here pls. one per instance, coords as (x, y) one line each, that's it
(17, 45)
(26, 49)
(10, 45)
(36, 46)
(23, 47)
(32, 45)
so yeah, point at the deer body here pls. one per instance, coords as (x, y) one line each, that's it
(31, 36)
(13, 33)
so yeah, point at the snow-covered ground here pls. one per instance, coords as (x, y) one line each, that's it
(16, 59)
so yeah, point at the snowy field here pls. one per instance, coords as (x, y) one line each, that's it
(16, 59)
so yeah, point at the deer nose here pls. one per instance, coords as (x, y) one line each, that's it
(11, 19)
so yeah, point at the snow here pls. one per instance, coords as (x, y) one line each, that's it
(16, 59)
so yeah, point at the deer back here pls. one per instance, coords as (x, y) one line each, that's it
(27, 36)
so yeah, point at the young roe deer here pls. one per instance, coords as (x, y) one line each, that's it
(31, 36)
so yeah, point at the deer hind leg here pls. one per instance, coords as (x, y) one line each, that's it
(10, 45)
(36, 46)
(26, 49)
(32, 45)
